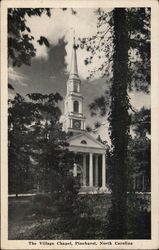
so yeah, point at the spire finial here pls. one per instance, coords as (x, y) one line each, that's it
(74, 40)
(74, 35)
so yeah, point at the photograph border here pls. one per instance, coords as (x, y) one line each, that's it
(136, 244)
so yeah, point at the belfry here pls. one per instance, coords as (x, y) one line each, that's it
(73, 104)
(90, 163)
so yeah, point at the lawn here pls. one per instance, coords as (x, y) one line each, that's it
(32, 220)
(24, 223)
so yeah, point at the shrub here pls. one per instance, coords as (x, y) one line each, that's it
(42, 205)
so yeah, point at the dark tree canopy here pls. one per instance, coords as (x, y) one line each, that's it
(141, 122)
(20, 46)
(36, 141)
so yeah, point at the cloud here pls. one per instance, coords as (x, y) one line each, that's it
(61, 24)
(139, 99)
(16, 77)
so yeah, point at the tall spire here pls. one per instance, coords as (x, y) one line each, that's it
(74, 69)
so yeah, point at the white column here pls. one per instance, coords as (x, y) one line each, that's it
(96, 170)
(79, 87)
(84, 125)
(91, 170)
(84, 170)
(80, 107)
(103, 171)
(71, 123)
(74, 169)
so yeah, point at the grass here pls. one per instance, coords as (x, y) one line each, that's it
(25, 224)
(33, 218)
(28, 218)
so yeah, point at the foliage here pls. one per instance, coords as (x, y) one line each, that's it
(101, 46)
(37, 119)
(138, 220)
(123, 44)
(41, 205)
(138, 20)
(19, 164)
(36, 139)
(21, 45)
(99, 103)
(70, 214)
(138, 217)
(24, 223)
(51, 154)
(139, 226)
(139, 160)
(139, 149)
(10, 86)
(20, 39)
(141, 122)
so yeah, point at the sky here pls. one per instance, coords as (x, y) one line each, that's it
(49, 70)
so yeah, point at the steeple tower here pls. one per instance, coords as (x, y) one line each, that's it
(74, 120)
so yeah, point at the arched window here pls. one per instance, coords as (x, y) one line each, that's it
(76, 106)
(83, 142)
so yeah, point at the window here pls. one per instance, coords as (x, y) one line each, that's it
(76, 106)
(83, 142)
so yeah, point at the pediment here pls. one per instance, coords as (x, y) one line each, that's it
(85, 140)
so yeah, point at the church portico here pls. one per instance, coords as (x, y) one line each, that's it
(89, 165)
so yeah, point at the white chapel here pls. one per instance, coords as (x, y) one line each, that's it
(90, 163)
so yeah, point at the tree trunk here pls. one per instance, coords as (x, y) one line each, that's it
(119, 126)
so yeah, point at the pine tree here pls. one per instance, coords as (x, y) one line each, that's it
(119, 126)
(123, 41)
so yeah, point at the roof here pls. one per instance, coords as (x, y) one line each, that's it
(84, 139)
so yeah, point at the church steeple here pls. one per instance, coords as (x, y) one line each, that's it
(74, 120)
(74, 68)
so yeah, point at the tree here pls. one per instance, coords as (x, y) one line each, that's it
(20, 38)
(38, 146)
(141, 122)
(20, 46)
(101, 46)
(123, 40)
(51, 147)
(19, 152)
(36, 136)
(119, 124)
(139, 158)
(140, 149)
